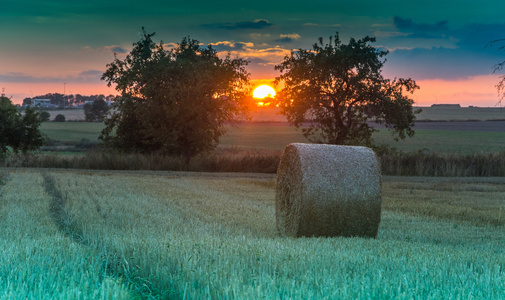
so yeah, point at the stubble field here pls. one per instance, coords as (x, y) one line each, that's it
(169, 235)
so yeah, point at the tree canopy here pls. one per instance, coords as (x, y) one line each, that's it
(334, 89)
(174, 101)
(96, 111)
(19, 131)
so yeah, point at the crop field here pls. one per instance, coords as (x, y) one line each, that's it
(176, 235)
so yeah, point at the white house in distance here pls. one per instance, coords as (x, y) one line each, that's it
(43, 103)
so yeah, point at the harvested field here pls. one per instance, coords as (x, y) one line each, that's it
(178, 235)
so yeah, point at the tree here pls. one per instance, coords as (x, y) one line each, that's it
(8, 119)
(337, 88)
(174, 101)
(44, 116)
(19, 131)
(59, 118)
(96, 111)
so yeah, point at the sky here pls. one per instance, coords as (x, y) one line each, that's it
(61, 46)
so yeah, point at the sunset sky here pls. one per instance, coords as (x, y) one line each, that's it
(440, 44)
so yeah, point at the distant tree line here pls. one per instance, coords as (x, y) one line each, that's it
(61, 100)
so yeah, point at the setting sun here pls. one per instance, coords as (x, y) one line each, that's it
(263, 91)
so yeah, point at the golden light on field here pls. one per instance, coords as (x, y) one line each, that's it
(263, 91)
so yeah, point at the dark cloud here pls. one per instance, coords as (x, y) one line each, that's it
(288, 38)
(461, 52)
(256, 24)
(408, 24)
(20, 77)
(119, 50)
(285, 40)
(421, 30)
(438, 63)
(479, 36)
(90, 76)
(90, 73)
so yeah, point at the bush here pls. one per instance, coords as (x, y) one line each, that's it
(59, 118)
(44, 116)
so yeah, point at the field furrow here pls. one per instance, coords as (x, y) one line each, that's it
(38, 261)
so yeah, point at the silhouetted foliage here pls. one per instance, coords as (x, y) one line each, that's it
(60, 100)
(337, 88)
(44, 116)
(59, 118)
(19, 131)
(498, 67)
(175, 101)
(96, 111)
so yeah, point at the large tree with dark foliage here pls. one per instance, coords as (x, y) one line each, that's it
(334, 89)
(174, 101)
(19, 131)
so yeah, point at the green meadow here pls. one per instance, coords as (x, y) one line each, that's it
(72, 131)
(266, 135)
(275, 136)
(177, 235)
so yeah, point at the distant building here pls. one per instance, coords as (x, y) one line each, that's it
(42, 103)
(446, 105)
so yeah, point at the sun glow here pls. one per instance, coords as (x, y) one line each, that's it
(263, 91)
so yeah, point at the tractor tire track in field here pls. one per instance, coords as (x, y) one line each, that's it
(113, 264)
(59, 213)
(4, 178)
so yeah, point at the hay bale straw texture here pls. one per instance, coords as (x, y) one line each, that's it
(328, 190)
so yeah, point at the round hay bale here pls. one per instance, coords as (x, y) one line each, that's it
(328, 190)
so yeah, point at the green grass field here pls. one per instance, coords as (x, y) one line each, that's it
(72, 131)
(123, 235)
(275, 136)
(446, 141)
(427, 113)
